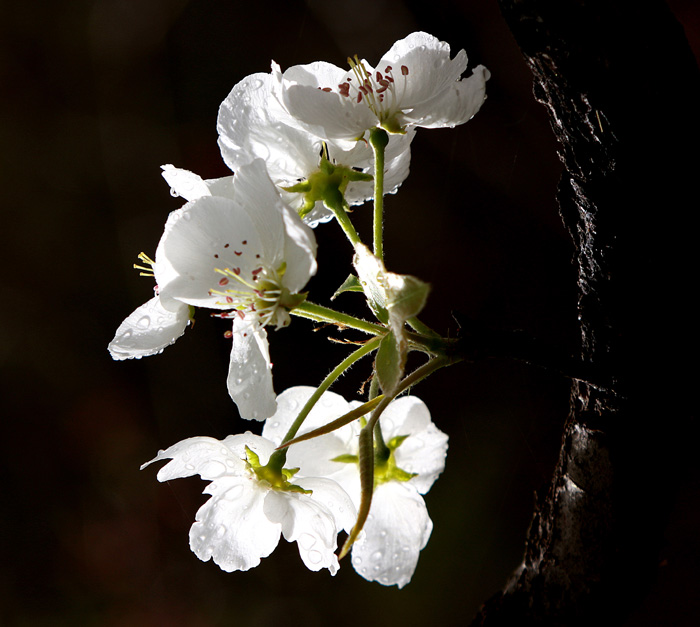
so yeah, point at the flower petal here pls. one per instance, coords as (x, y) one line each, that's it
(308, 523)
(397, 529)
(207, 457)
(205, 235)
(184, 183)
(250, 371)
(252, 124)
(425, 449)
(455, 105)
(327, 114)
(231, 528)
(149, 329)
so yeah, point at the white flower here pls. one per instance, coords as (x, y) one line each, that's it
(244, 252)
(242, 521)
(253, 124)
(398, 526)
(415, 84)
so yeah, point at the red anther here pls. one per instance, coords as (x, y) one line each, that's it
(229, 299)
(216, 256)
(228, 334)
(223, 281)
(240, 314)
(404, 70)
(344, 89)
(244, 242)
(256, 271)
(235, 252)
(387, 69)
(379, 76)
(226, 245)
(236, 271)
(359, 96)
(327, 89)
(390, 79)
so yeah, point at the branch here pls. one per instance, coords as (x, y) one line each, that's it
(623, 93)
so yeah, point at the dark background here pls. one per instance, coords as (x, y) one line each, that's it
(96, 95)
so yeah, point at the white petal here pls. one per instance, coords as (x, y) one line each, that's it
(425, 449)
(149, 329)
(326, 114)
(396, 530)
(309, 524)
(430, 69)
(455, 105)
(207, 457)
(206, 234)
(299, 251)
(252, 124)
(232, 528)
(184, 183)
(250, 371)
(332, 496)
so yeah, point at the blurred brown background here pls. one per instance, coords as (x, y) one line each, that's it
(95, 96)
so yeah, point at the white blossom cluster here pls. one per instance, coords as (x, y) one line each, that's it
(244, 246)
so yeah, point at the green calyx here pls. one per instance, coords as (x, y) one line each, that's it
(385, 468)
(277, 479)
(327, 184)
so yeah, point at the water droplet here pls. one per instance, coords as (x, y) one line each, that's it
(357, 560)
(189, 466)
(377, 555)
(306, 541)
(276, 424)
(144, 322)
(221, 531)
(233, 493)
(315, 557)
(382, 533)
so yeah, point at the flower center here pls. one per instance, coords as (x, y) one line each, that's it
(262, 293)
(379, 91)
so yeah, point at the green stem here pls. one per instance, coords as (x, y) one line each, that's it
(336, 203)
(420, 327)
(378, 139)
(368, 451)
(278, 458)
(319, 313)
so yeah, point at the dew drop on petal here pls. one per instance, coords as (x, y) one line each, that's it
(306, 541)
(233, 493)
(377, 555)
(315, 557)
(189, 466)
(144, 322)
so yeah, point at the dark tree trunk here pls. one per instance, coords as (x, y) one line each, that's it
(623, 92)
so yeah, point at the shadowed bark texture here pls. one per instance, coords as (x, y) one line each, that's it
(622, 89)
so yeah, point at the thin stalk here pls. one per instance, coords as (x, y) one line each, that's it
(336, 203)
(367, 451)
(378, 139)
(319, 313)
(278, 458)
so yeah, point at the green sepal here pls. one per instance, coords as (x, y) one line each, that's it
(351, 284)
(396, 441)
(397, 474)
(388, 364)
(278, 480)
(327, 184)
(346, 458)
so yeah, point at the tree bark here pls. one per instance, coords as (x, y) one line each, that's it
(622, 89)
